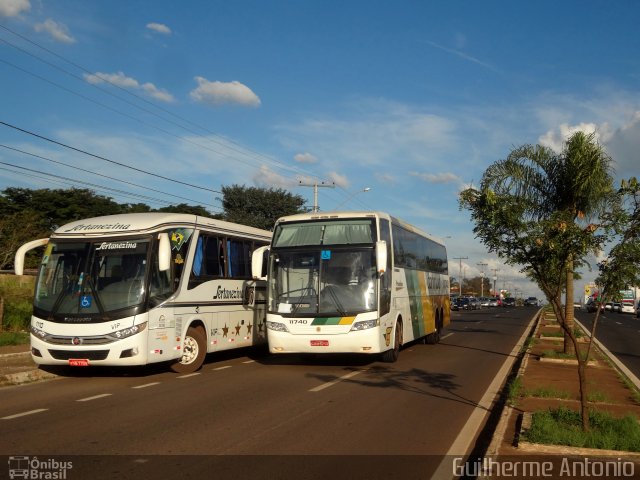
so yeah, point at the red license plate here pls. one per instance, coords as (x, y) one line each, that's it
(319, 343)
(78, 362)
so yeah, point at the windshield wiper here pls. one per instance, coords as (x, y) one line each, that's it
(336, 301)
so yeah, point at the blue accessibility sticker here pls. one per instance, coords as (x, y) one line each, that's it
(326, 255)
(85, 301)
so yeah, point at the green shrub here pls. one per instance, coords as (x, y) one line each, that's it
(17, 294)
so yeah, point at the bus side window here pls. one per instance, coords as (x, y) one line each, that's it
(239, 258)
(208, 260)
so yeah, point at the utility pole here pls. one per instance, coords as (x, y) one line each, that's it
(315, 186)
(495, 279)
(482, 265)
(460, 273)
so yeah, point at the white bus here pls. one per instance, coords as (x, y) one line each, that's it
(353, 282)
(145, 287)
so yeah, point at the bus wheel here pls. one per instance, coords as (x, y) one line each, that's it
(434, 337)
(391, 356)
(193, 352)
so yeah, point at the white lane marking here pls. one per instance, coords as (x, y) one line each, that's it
(619, 323)
(189, 375)
(337, 380)
(24, 414)
(446, 336)
(223, 368)
(461, 446)
(249, 361)
(95, 397)
(147, 385)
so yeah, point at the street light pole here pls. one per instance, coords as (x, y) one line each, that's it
(482, 265)
(365, 189)
(460, 273)
(495, 279)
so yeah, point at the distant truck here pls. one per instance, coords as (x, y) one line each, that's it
(629, 299)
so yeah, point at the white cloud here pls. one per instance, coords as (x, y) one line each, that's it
(339, 180)
(381, 134)
(437, 177)
(305, 158)
(267, 178)
(12, 8)
(555, 139)
(57, 31)
(218, 93)
(386, 178)
(121, 80)
(159, 28)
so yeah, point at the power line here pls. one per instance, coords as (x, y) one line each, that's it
(229, 144)
(101, 175)
(71, 181)
(84, 152)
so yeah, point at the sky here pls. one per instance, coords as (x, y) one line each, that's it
(392, 106)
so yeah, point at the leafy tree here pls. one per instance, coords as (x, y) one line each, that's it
(259, 207)
(15, 230)
(60, 206)
(531, 209)
(190, 209)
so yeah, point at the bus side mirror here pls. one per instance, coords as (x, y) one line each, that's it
(18, 262)
(164, 252)
(257, 263)
(381, 256)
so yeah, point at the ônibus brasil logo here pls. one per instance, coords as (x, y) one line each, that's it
(34, 468)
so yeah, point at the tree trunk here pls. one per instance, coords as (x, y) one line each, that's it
(584, 407)
(568, 308)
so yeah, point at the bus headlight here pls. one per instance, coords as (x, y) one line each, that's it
(127, 332)
(37, 332)
(277, 326)
(364, 325)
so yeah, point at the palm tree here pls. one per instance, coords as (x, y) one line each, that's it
(559, 192)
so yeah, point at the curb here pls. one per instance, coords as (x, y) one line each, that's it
(29, 376)
(526, 447)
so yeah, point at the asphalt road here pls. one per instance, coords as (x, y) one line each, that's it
(620, 333)
(247, 414)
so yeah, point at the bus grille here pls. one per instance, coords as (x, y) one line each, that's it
(88, 354)
(59, 340)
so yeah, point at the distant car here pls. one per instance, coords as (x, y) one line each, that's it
(474, 303)
(484, 301)
(494, 302)
(454, 303)
(613, 307)
(509, 302)
(531, 302)
(592, 305)
(463, 303)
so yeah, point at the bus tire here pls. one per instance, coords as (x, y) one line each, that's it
(193, 351)
(434, 337)
(391, 355)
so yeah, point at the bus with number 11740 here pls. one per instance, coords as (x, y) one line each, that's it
(145, 287)
(353, 282)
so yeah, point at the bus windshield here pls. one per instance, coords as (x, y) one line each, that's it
(322, 282)
(91, 279)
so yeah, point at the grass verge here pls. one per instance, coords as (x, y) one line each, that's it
(562, 426)
(13, 338)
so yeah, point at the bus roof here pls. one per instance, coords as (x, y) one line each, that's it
(129, 223)
(302, 217)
